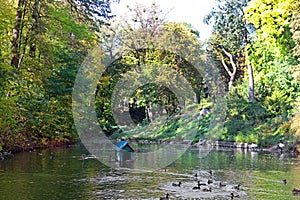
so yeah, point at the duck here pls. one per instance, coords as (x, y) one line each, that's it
(164, 170)
(176, 185)
(51, 156)
(90, 156)
(165, 198)
(296, 191)
(221, 184)
(210, 172)
(284, 181)
(209, 181)
(206, 190)
(196, 187)
(233, 196)
(280, 146)
(199, 184)
(253, 146)
(237, 187)
(196, 175)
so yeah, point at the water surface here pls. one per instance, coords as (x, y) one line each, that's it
(62, 174)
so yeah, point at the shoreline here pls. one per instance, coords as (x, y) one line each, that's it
(295, 149)
(224, 144)
(8, 153)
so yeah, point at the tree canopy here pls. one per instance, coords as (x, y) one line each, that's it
(254, 45)
(42, 46)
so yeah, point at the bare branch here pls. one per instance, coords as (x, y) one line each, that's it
(231, 61)
(226, 67)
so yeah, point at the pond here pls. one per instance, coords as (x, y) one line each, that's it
(61, 173)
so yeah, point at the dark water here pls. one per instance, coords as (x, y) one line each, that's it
(36, 176)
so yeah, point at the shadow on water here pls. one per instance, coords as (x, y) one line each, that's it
(63, 174)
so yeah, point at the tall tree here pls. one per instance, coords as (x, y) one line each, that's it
(143, 32)
(16, 34)
(270, 52)
(135, 31)
(38, 65)
(295, 28)
(7, 12)
(231, 34)
(28, 22)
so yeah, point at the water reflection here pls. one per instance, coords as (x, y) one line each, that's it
(36, 176)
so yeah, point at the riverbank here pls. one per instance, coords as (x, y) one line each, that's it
(8, 152)
(291, 148)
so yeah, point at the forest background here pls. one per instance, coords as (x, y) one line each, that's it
(254, 45)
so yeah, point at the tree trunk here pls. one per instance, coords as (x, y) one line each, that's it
(34, 28)
(233, 65)
(251, 83)
(250, 79)
(15, 60)
(230, 83)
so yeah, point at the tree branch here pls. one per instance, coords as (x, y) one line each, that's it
(231, 61)
(226, 67)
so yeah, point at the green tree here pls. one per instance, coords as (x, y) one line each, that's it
(295, 28)
(29, 23)
(231, 34)
(48, 43)
(270, 53)
(144, 33)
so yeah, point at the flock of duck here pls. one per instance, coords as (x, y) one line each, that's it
(295, 191)
(206, 187)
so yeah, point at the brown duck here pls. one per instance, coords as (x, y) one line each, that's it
(295, 191)
(206, 190)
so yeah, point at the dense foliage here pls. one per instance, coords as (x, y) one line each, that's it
(42, 46)
(145, 62)
(269, 50)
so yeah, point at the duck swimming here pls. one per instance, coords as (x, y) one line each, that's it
(176, 185)
(209, 181)
(196, 187)
(89, 156)
(199, 184)
(295, 191)
(165, 198)
(237, 187)
(221, 184)
(51, 156)
(206, 190)
(232, 195)
(164, 170)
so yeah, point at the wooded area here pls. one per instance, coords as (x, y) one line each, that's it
(255, 45)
